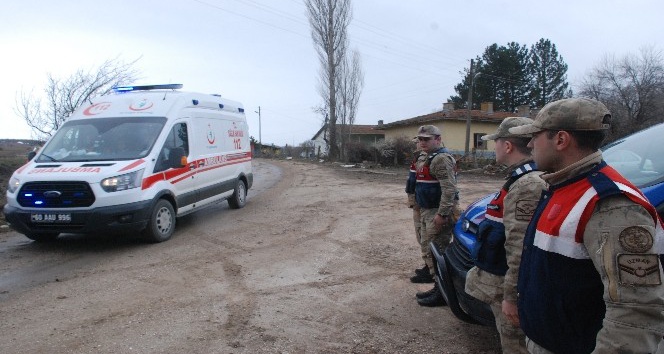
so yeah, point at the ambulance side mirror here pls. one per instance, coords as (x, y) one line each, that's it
(177, 158)
(31, 155)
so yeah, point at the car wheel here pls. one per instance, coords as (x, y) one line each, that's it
(239, 197)
(43, 236)
(162, 222)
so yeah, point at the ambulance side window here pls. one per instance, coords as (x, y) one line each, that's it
(178, 142)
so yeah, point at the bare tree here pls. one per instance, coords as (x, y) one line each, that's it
(63, 96)
(329, 20)
(632, 87)
(351, 82)
(307, 147)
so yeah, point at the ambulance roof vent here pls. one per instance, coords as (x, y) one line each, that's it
(121, 89)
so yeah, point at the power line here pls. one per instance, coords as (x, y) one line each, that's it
(393, 52)
(248, 17)
(393, 37)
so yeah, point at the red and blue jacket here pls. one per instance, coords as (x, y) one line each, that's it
(560, 302)
(427, 187)
(412, 178)
(488, 252)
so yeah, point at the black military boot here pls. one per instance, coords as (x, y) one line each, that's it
(435, 299)
(423, 294)
(421, 278)
(423, 270)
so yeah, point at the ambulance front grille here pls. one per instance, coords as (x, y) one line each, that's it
(73, 194)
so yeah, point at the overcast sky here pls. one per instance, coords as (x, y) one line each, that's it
(260, 52)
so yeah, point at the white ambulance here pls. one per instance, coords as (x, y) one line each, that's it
(133, 161)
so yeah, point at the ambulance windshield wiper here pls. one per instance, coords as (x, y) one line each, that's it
(49, 157)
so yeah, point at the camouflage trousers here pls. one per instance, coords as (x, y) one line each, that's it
(429, 232)
(418, 229)
(512, 339)
(534, 348)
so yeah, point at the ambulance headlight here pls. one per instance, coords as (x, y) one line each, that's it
(123, 182)
(14, 183)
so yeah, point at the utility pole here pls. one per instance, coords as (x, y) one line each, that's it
(259, 125)
(470, 106)
(260, 142)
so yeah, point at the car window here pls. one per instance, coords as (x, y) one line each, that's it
(638, 157)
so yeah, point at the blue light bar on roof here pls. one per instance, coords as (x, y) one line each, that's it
(147, 87)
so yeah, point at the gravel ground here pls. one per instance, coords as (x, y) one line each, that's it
(317, 262)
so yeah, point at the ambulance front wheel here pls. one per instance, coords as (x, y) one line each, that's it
(239, 197)
(162, 222)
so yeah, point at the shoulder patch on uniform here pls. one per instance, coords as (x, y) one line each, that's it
(639, 269)
(636, 239)
(525, 209)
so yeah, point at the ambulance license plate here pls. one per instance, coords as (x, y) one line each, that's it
(50, 217)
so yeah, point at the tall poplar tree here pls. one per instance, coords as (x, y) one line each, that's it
(329, 20)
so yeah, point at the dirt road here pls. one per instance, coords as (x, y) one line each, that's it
(317, 262)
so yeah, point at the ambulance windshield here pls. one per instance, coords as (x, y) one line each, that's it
(103, 139)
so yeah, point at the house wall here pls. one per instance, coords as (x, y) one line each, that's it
(453, 132)
(367, 139)
(320, 146)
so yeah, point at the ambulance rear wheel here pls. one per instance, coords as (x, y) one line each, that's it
(43, 236)
(239, 197)
(162, 222)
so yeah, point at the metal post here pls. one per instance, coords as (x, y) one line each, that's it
(260, 141)
(470, 106)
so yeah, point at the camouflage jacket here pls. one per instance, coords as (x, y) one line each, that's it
(519, 204)
(443, 168)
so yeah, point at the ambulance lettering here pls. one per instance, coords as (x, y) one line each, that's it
(66, 169)
(237, 134)
(234, 132)
(215, 160)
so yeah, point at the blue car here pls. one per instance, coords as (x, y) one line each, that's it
(639, 157)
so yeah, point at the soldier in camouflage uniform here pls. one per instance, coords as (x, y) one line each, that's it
(437, 196)
(591, 275)
(422, 275)
(497, 252)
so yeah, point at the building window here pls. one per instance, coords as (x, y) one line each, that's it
(479, 143)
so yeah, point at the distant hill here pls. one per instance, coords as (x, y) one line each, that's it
(28, 142)
(16, 149)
